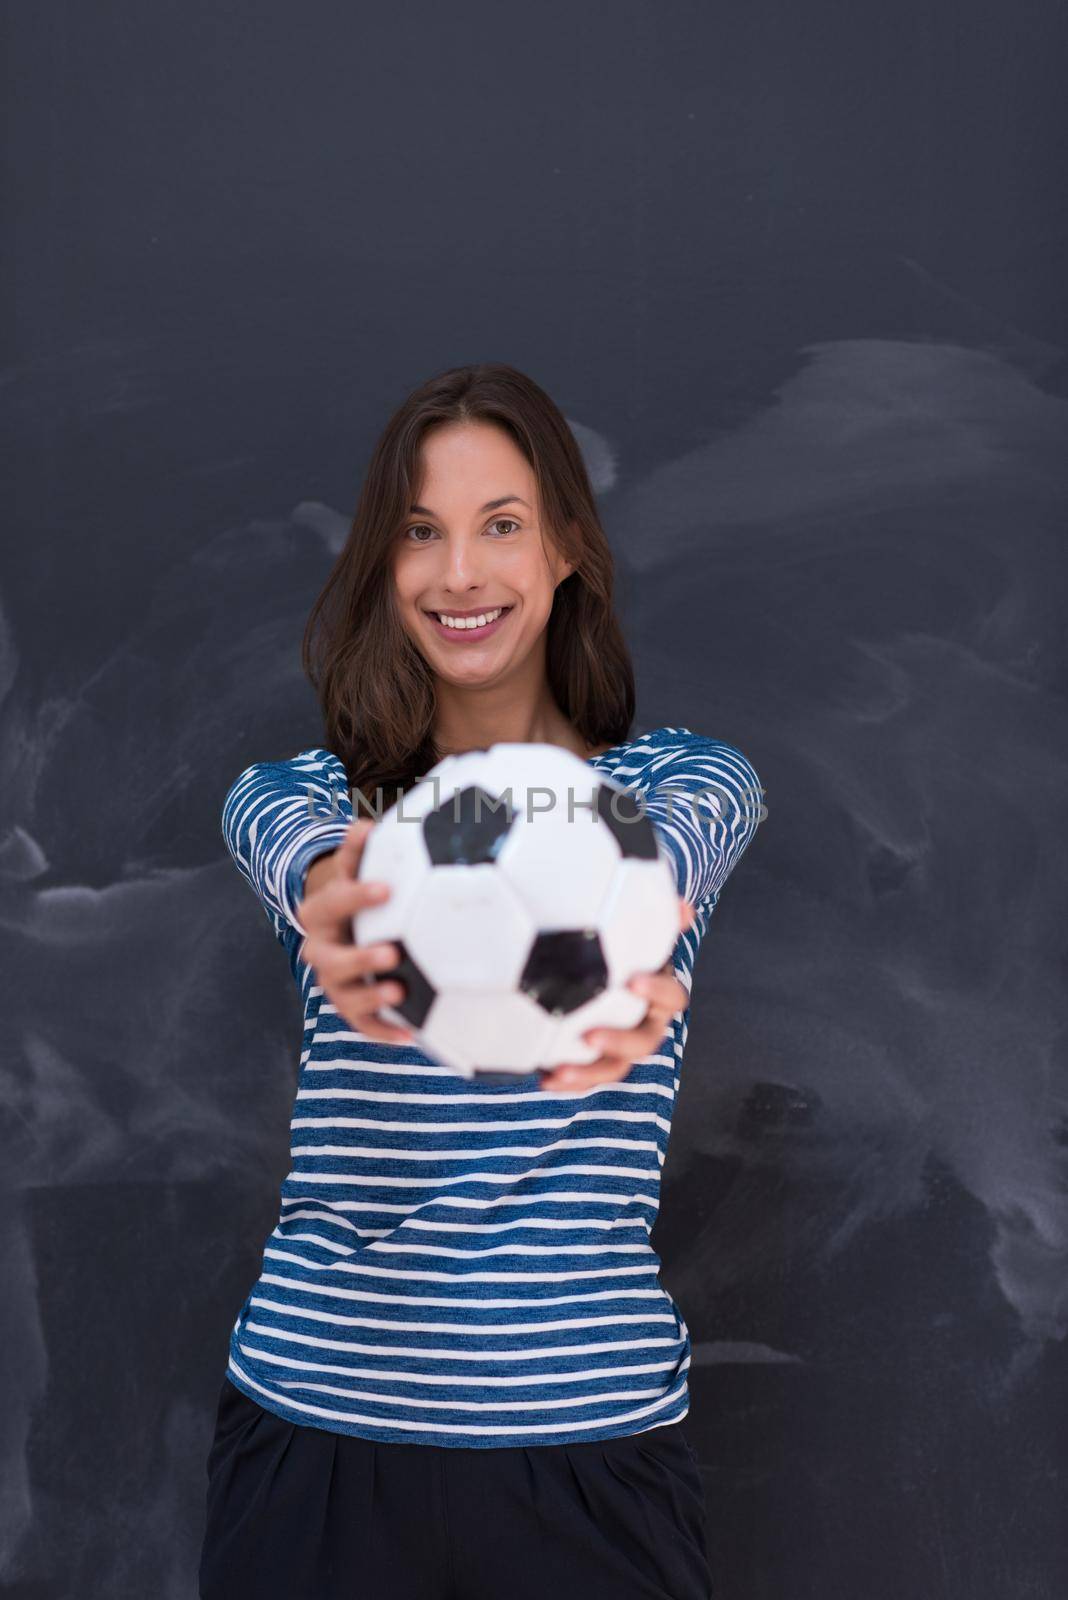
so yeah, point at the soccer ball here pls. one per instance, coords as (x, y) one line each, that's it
(526, 889)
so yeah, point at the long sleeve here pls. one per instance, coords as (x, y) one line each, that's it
(272, 834)
(704, 800)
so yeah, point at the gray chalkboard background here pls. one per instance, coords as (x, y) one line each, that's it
(796, 275)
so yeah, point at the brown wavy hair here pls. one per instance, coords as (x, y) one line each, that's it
(375, 689)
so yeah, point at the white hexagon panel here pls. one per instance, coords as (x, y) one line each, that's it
(490, 1026)
(446, 928)
(638, 919)
(394, 852)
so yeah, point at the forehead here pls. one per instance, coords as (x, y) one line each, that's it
(464, 464)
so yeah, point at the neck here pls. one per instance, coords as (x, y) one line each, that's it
(508, 712)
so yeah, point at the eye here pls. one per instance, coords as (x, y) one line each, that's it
(419, 527)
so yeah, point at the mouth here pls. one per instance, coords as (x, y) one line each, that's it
(466, 629)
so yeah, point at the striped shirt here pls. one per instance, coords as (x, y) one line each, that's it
(459, 1263)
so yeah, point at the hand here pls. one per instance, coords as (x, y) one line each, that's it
(340, 964)
(622, 1047)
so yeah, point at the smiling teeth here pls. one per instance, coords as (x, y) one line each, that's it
(469, 622)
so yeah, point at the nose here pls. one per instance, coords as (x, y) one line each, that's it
(463, 564)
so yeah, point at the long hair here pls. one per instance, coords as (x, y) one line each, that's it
(375, 689)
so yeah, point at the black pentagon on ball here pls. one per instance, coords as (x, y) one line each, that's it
(564, 969)
(468, 828)
(419, 994)
(620, 812)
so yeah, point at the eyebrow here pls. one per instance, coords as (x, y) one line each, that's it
(491, 505)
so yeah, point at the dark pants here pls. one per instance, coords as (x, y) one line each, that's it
(299, 1513)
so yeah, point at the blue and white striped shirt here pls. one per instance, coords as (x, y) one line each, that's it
(465, 1264)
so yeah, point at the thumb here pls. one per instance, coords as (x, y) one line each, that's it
(350, 849)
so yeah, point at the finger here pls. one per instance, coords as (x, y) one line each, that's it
(381, 1031)
(350, 850)
(347, 853)
(687, 914)
(341, 964)
(662, 989)
(632, 1043)
(575, 1076)
(364, 997)
(332, 909)
(385, 1032)
(359, 1003)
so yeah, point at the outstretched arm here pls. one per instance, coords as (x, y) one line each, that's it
(274, 837)
(704, 799)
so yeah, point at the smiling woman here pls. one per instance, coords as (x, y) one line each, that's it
(457, 1264)
(473, 600)
(480, 583)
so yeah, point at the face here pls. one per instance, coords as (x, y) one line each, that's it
(474, 547)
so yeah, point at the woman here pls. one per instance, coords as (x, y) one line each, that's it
(458, 1374)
